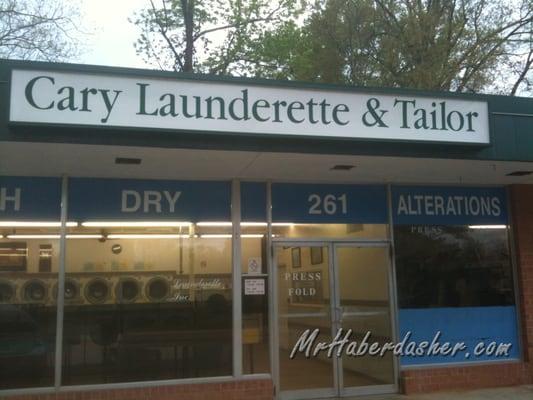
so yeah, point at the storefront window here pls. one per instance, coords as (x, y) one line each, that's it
(454, 270)
(152, 295)
(453, 266)
(29, 248)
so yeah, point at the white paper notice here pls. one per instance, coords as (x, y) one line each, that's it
(254, 266)
(254, 287)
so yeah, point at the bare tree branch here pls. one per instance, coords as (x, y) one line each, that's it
(523, 74)
(38, 29)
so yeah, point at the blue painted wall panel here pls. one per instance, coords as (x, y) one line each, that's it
(253, 202)
(470, 325)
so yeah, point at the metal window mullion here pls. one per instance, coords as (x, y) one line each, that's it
(237, 277)
(393, 288)
(272, 295)
(335, 314)
(61, 284)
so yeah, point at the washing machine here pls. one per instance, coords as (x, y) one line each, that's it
(72, 291)
(8, 291)
(215, 286)
(23, 288)
(128, 289)
(36, 290)
(158, 287)
(97, 289)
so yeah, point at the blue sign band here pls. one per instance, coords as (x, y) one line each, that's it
(449, 205)
(343, 204)
(253, 202)
(123, 199)
(28, 198)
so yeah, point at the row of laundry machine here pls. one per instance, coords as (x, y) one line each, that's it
(100, 288)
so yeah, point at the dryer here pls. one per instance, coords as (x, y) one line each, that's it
(72, 291)
(8, 291)
(37, 288)
(97, 290)
(128, 289)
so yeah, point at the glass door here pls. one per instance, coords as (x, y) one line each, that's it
(364, 307)
(304, 294)
(323, 291)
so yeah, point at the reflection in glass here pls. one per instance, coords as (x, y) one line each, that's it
(27, 310)
(354, 231)
(255, 338)
(452, 266)
(160, 308)
(364, 302)
(303, 303)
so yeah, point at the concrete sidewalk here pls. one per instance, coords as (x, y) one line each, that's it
(508, 393)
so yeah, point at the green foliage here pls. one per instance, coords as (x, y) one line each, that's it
(427, 44)
(210, 36)
(461, 45)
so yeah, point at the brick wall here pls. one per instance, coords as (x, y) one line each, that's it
(465, 377)
(522, 206)
(497, 374)
(238, 390)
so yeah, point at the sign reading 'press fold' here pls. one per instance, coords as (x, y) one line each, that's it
(172, 104)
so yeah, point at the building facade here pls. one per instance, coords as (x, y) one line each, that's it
(178, 236)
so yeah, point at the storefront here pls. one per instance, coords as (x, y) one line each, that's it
(177, 237)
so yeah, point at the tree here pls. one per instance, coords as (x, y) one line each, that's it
(37, 30)
(211, 36)
(459, 45)
(450, 45)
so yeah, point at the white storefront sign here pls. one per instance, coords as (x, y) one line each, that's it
(190, 105)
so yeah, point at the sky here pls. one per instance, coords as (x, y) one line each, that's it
(110, 36)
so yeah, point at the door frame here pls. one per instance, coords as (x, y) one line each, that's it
(338, 390)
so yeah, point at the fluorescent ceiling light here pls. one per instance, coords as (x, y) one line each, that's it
(229, 236)
(147, 236)
(33, 236)
(215, 224)
(34, 224)
(44, 236)
(487, 226)
(84, 236)
(128, 224)
(254, 224)
(217, 236)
